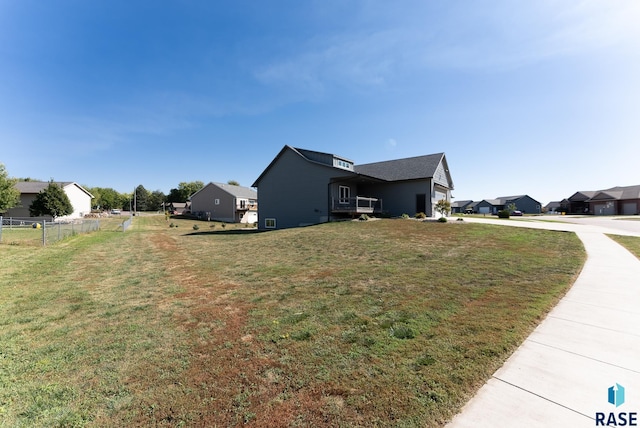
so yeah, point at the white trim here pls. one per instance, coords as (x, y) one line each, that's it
(269, 223)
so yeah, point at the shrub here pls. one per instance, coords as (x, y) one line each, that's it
(363, 217)
(443, 219)
(421, 215)
(405, 215)
(172, 225)
(401, 331)
(503, 214)
(196, 227)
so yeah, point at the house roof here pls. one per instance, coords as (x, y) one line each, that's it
(237, 191)
(402, 169)
(618, 193)
(494, 201)
(34, 187)
(582, 195)
(393, 170)
(503, 200)
(613, 193)
(460, 204)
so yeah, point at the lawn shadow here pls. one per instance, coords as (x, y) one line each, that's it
(226, 232)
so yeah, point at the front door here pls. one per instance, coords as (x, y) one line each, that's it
(421, 203)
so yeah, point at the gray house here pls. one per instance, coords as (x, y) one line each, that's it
(459, 207)
(303, 187)
(524, 203)
(225, 202)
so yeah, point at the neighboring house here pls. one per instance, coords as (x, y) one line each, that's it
(178, 207)
(619, 200)
(489, 206)
(472, 208)
(524, 203)
(578, 202)
(225, 202)
(557, 206)
(459, 207)
(553, 206)
(79, 197)
(303, 187)
(616, 201)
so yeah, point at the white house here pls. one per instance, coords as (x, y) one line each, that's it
(79, 197)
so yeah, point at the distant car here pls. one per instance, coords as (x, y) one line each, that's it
(116, 212)
(516, 213)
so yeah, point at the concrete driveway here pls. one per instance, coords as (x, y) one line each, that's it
(586, 352)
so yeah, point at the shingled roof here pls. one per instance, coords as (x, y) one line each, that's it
(402, 169)
(618, 192)
(37, 186)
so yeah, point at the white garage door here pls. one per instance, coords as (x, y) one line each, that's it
(484, 210)
(629, 208)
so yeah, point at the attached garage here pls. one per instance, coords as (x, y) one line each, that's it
(606, 208)
(630, 208)
(484, 210)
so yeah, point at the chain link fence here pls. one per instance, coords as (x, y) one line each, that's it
(42, 231)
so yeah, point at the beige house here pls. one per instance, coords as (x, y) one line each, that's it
(79, 197)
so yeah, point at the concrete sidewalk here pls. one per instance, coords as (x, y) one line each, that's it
(590, 341)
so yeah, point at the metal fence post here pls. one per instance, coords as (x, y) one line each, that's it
(44, 232)
(1, 224)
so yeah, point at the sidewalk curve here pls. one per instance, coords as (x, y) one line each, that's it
(561, 374)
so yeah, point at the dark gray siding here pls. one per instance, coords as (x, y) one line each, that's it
(400, 197)
(528, 205)
(203, 202)
(295, 192)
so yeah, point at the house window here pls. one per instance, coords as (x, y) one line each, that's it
(217, 201)
(270, 223)
(345, 194)
(243, 204)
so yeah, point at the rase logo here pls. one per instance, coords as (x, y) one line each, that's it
(615, 396)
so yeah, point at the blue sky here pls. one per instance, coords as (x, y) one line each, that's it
(539, 97)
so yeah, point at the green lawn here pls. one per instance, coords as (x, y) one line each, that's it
(631, 243)
(378, 323)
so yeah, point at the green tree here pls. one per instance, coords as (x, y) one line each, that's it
(51, 201)
(9, 195)
(141, 199)
(233, 183)
(106, 198)
(443, 207)
(184, 191)
(156, 198)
